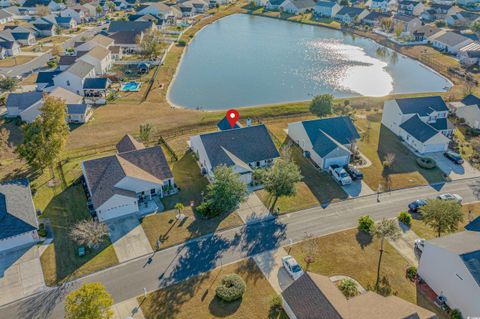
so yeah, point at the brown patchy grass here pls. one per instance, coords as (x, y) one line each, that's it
(13, 61)
(195, 297)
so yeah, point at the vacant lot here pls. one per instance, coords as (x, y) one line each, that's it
(195, 298)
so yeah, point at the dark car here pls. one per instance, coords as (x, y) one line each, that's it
(414, 206)
(454, 157)
(353, 172)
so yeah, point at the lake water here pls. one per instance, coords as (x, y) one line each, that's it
(244, 60)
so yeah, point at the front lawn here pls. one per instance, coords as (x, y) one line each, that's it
(195, 297)
(404, 173)
(356, 255)
(14, 61)
(426, 232)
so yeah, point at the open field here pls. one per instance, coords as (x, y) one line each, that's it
(195, 298)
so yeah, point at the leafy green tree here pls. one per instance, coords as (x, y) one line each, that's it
(91, 301)
(386, 229)
(475, 26)
(44, 139)
(348, 287)
(179, 207)
(145, 132)
(280, 179)
(8, 84)
(443, 216)
(151, 44)
(366, 225)
(322, 105)
(225, 192)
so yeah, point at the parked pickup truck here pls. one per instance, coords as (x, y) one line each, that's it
(340, 175)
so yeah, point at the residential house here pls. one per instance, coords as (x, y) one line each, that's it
(97, 41)
(18, 218)
(16, 14)
(380, 5)
(44, 29)
(350, 15)
(91, 10)
(314, 296)
(193, 7)
(408, 7)
(77, 13)
(243, 149)
(66, 61)
(74, 77)
(79, 113)
(126, 41)
(297, 6)
(95, 90)
(25, 105)
(22, 35)
(129, 26)
(66, 22)
(469, 110)
(450, 265)
(125, 183)
(5, 17)
(326, 141)
(327, 8)
(45, 79)
(443, 10)
(224, 125)
(424, 32)
(450, 42)
(470, 54)
(9, 48)
(158, 9)
(99, 57)
(409, 24)
(31, 5)
(273, 4)
(374, 18)
(5, 3)
(467, 3)
(420, 122)
(462, 19)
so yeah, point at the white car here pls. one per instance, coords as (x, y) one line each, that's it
(340, 175)
(420, 244)
(292, 267)
(454, 197)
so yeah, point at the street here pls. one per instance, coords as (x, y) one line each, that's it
(200, 255)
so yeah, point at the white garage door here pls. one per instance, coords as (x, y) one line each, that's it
(434, 148)
(341, 161)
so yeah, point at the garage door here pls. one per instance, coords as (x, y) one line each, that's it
(434, 148)
(341, 161)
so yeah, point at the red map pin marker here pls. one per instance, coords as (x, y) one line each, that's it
(232, 117)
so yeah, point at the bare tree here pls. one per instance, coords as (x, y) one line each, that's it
(146, 131)
(388, 160)
(42, 10)
(89, 233)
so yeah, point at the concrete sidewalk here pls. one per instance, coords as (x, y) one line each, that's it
(127, 309)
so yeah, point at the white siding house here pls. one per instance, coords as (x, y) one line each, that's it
(74, 77)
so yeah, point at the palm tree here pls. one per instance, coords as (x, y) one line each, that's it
(179, 207)
(386, 229)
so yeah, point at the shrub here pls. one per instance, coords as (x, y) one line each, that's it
(411, 273)
(182, 43)
(42, 232)
(456, 314)
(426, 162)
(405, 218)
(366, 224)
(232, 287)
(52, 64)
(348, 287)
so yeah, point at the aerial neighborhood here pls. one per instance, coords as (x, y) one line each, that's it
(302, 159)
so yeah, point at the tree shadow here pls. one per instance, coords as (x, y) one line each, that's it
(221, 309)
(363, 239)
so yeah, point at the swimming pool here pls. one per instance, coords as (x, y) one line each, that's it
(131, 87)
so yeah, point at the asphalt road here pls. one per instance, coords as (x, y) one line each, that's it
(201, 255)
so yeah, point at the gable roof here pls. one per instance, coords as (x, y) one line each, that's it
(422, 106)
(23, 100)
(17, 213)
(404, 18)
(5, 14)
(80, 68)
(95, 83)
(303, 4)
(472, 262)
(46, 76)
(326, 4)
(375, 15)
(420, 130)
(134, 26)
(77, 108)
(67, 96)
(350, 11)
(102, 40)
(104, 173)
(471, 100)
(128, 143)
(249, 144)
(125, 37)
(450, 38)
(98, 53)
(329, 133)
(225, 125)
(63, 20)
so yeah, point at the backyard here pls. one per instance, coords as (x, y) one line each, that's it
(195, 297)
(16, 60)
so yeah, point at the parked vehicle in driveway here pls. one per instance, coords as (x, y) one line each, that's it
(415, 205)
(354, 173)
(292, 267)
(420, 244)
(454, 197)
(454, 157)
(340, 175)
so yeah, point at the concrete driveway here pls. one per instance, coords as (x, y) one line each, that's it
(357, 188)
(128, 238)
(270, 263)
(405, 245)
(453, 170)
(20, 274)
(252, 209)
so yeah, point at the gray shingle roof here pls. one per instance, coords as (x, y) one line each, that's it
(249, 144)
(96, 83)
(350, 11)
(472, 262)
(128, 144)
(451, 38)
(418, 129)
(77, 108)
(303, 4)
(23, 100)
(17, 213)
(422, 106)
(80, 68)
(135, 26)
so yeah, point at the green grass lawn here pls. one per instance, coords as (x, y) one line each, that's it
(356, 255)
(195, 298)
(404, 173)
(424, 231)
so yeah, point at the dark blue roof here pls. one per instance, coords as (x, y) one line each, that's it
(423, 106)
(46, 77)
(7, 44)
(20, 35)
(350, 11)
(63, 20)
(474, 225)
(340, 128)
(224, 125)
(249, 144)
(43, 26)
(77, 108)
(418, 129)
(472, 262)
(327, 4)
(95, 83)
(135, 26)
(471, 100)
(441, 124)
(17, 213)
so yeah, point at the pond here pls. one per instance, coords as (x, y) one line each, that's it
(245, 60)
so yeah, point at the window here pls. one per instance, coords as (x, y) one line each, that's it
(68, 82)
(153, 191)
